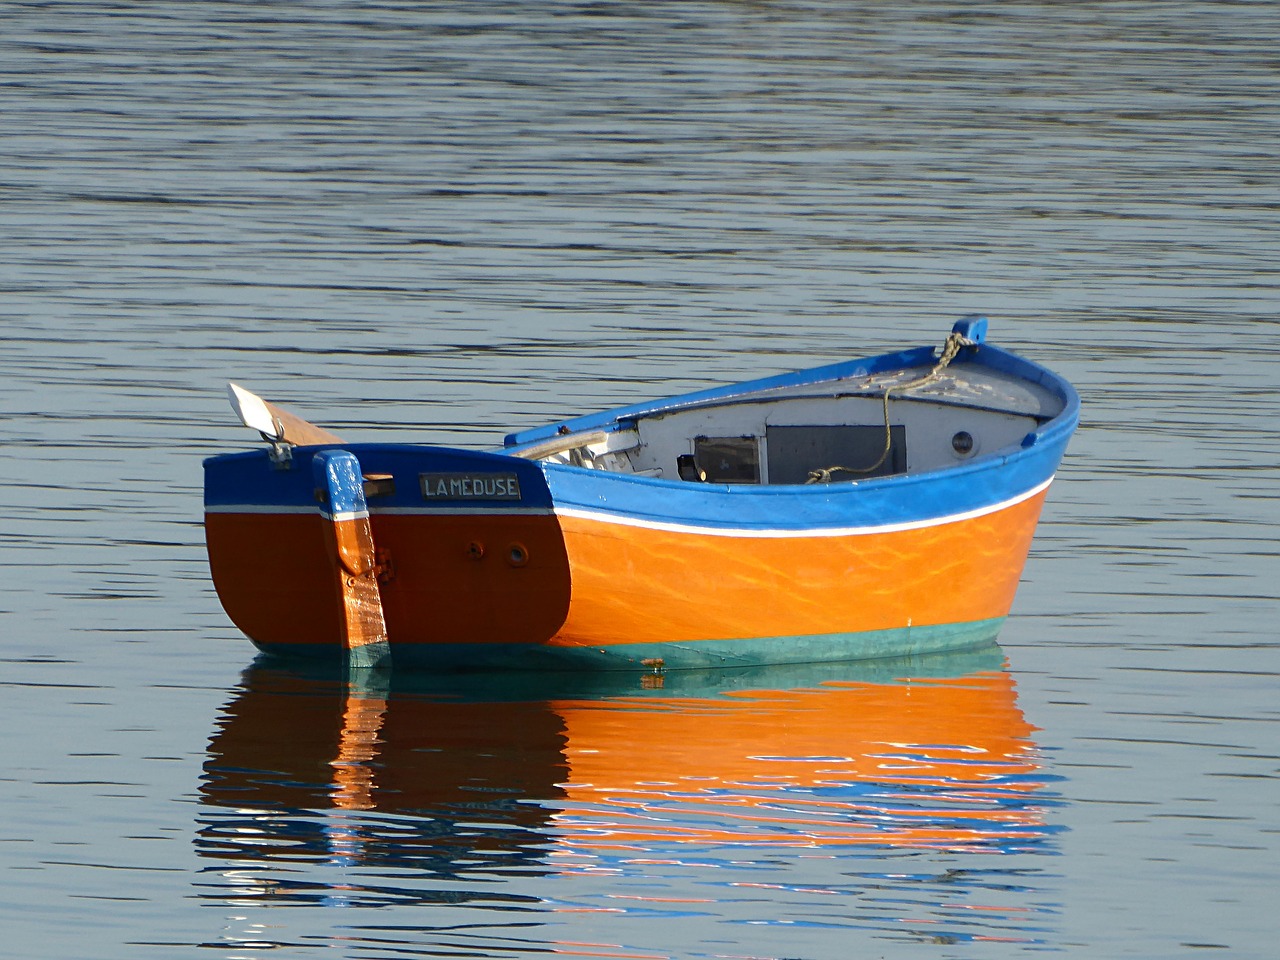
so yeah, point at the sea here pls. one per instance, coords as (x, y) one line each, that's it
(442, 222)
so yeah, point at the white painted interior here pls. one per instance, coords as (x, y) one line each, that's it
(995, 410)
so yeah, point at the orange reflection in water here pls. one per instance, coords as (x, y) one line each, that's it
(565, 772)
(943, 762)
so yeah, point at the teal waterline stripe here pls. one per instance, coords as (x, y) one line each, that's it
(682, 655)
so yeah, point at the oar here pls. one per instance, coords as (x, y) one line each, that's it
(273, 423)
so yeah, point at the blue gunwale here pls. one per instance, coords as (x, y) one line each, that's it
(996, 478)
(985, 354)
(883, 502)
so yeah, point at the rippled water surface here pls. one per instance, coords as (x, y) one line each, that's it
(445, 221)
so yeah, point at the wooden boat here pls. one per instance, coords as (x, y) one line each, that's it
(869, 508)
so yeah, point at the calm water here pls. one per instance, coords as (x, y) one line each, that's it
(445, 221)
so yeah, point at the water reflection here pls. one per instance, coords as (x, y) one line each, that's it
(311, 769)
(416, 789)
(941, 762)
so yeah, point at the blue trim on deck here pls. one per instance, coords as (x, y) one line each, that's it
(251, 480)
(990, 479)
(984, 354)
(983, 483)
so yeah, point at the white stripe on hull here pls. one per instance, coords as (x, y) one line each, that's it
(625, 521)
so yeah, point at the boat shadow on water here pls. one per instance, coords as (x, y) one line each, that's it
(477, 778)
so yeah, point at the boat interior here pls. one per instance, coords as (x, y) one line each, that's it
(837, 430)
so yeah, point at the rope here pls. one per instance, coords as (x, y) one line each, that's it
(949, 350)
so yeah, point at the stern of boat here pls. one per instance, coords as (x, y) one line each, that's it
(466, 552)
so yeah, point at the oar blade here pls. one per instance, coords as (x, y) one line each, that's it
(275, 423)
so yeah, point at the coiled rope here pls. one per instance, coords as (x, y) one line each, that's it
(949, 350)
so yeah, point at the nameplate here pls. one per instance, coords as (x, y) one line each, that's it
(470, 486)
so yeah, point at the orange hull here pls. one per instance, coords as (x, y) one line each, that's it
(584, 583)
(699, 587)
(274, 578)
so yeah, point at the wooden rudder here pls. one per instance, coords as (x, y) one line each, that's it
(340, 489)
